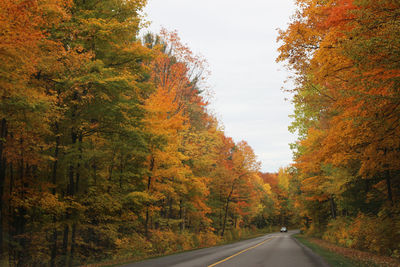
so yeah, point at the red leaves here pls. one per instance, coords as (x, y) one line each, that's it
(339, 14)
(347, 104)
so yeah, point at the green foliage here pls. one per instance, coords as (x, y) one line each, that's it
(107, 150)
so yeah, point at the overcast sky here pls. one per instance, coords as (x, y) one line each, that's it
(238, 39)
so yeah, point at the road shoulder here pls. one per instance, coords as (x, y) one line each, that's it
(339, 256)
(313, 255)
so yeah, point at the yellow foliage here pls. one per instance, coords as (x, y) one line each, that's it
(378, 234)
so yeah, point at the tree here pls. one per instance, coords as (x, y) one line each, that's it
(346, 105)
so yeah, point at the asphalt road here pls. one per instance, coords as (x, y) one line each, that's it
(272, 250)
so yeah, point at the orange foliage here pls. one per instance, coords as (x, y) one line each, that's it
(347, 113)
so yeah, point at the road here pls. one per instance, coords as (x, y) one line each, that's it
(273, 250)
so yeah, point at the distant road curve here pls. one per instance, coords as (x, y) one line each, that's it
(272, 250)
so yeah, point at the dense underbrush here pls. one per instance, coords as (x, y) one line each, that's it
(377, 234)
(165, 242)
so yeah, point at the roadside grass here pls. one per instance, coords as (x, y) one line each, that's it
(332, 258)
(231, 239)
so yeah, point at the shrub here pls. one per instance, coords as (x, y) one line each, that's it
(134, 246)
(379, 234)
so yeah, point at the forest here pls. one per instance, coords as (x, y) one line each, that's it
(344, 56)
(108, 149)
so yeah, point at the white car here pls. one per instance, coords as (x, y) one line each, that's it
(283, 229)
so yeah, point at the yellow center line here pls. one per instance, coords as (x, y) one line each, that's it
(240, 252)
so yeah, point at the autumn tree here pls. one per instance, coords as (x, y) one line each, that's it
(107, 146)
(346, 107)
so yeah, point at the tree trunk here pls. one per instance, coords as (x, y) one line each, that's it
(65, 246)
(11, 230)
(53, 247)
(75, 224)
(146, 226)
(95, 172)
(78, 169)
(121, 171)
(55, 164)
(225, 217)
(110, 172)
(220, 212)
(389, 187)
(71, 184)
(20, 217)
(226, 208)
(70, 192)
(170, 211)
(228, 200)
(54, 181)
(181, 216)
(72, 251)
(333, 207)
(146, 223)
(388, 181)
(3, 162)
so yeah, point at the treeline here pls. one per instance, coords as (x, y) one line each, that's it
(345, 57)
(280, 209)
(107, 149)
